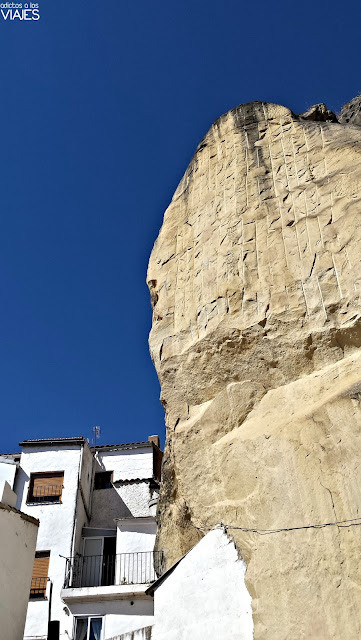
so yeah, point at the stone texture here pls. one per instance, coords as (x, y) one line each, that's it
(255, 282)
(320, 113)
(351, 112)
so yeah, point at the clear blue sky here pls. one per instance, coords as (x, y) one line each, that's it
(102, 105)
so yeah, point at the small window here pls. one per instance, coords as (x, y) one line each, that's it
(39, 578)
(103, 480)
(45, 487)
(88, 628)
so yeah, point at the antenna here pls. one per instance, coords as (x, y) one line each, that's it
(96, 432)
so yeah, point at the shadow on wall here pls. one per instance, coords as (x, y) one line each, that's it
(21, 479)
(107, 505)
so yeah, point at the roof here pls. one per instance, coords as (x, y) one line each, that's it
(47, 441)
(7, 460)
(81, 440)
(23, 516)
(11, 456)
(126, 445)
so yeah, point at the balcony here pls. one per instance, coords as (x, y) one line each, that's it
(111, 577)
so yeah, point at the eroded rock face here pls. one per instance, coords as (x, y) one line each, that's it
(255, 281)
(351, 112)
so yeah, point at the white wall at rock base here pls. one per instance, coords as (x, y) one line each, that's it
(205, 596)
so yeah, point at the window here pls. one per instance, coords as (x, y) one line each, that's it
(39, 579)
(88, 628)
(45, 487)
(103, 480)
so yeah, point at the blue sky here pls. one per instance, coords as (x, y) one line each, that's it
(102, 105)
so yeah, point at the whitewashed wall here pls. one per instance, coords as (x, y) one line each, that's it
(128, 464)
(57, 527)
(136, 535)
(7, 472)
(205, 596)
(17, 551)
(130, 494)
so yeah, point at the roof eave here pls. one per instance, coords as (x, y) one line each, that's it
(51, 441)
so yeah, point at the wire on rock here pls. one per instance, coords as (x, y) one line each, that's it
(354, 522)
(262, 532)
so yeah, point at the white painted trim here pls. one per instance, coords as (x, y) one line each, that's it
(109, 592)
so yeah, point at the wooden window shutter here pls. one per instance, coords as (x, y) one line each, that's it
(46, 485)
(40, 574)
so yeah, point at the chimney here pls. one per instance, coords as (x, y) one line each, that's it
(155, 440)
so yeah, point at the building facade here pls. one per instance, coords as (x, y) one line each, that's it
(18, 533)
(94, 557)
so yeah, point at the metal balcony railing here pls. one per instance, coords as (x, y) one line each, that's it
(38, 587)
(141, 567)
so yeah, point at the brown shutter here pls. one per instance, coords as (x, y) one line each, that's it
(40, 574)
(49, 484)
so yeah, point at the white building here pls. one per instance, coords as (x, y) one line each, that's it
(18, 532)
(94, 558)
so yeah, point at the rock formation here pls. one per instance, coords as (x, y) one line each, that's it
(255, 281)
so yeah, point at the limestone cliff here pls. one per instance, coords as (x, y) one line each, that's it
(255, 281)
